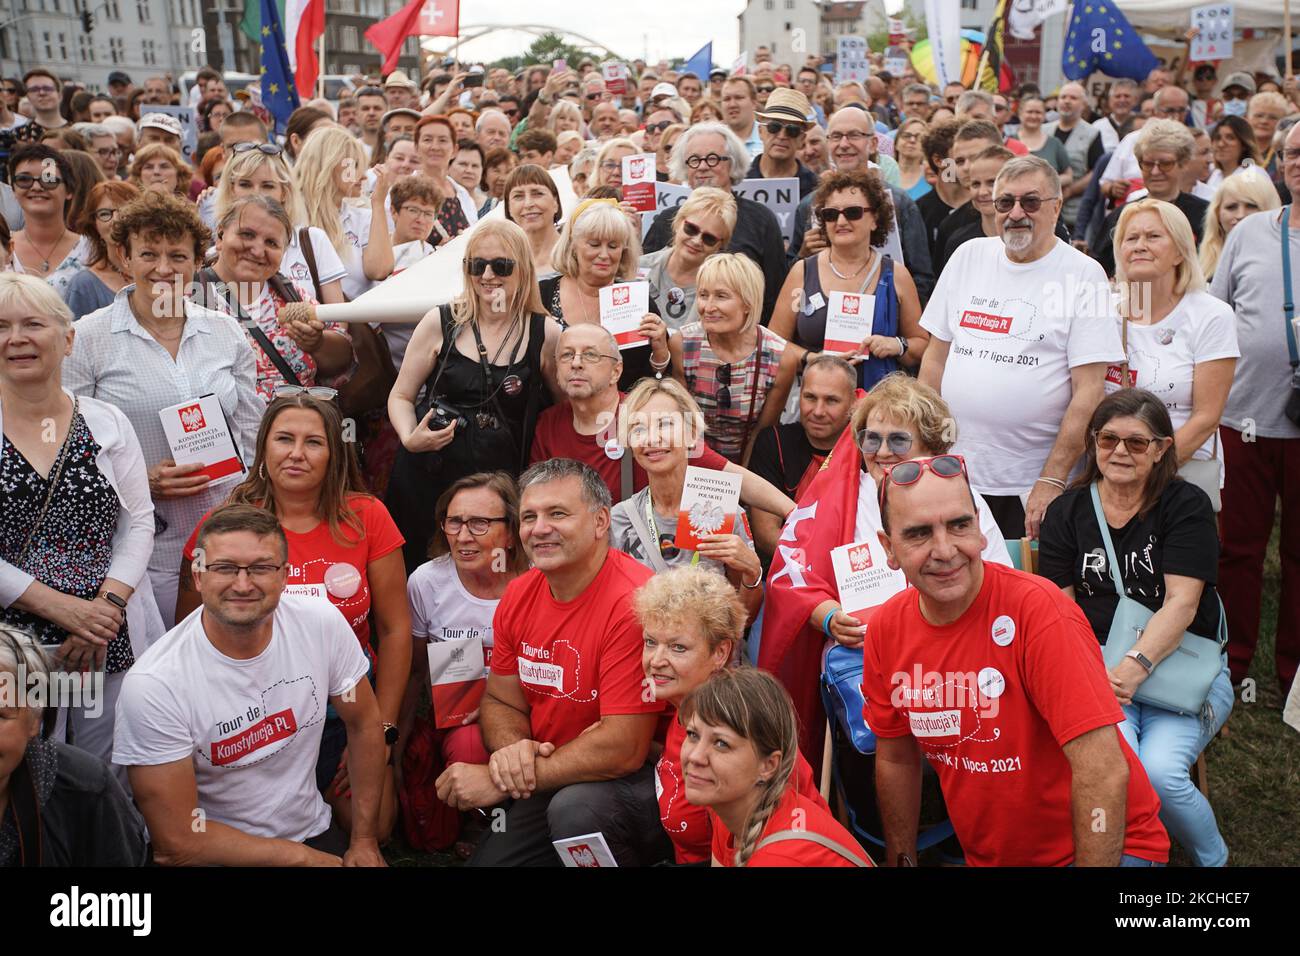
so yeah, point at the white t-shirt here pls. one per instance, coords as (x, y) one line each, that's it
(252, 727)
(1109, 135)
(867, 522)
(398, 334)
(441, 608)
(1163, 356)
(356, 236)
(1016, 330)
(1123, 162)
(328, 264)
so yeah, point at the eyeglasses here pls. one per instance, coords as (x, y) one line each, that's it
(323, 392)
(105, 215)
(478, 526)
(851, 213)
(108, 152)
(593, 96)
(1136, 444)
(500, 267)
(588, 356)
(38, 90)
(853, 135)
(1164, 165)
(226, 571)
(1178, 111)
(611, 166)
(693, 231)
(765, 89)
(1030, 204)
(25, 181)
(910, 472)
(270, 149)
(900, 443)
(418, 212)
(658, 127)
(1290, 155)
(711, 160)
(792, 130)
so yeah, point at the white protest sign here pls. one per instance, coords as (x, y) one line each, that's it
(667, 196)
(639, 181)
(198, 433)
(589, 851)
(863, 576)
(849, 318)
(779, 195)
(615, 78)
(1213, 26)
(622, 307)
(851, 62)
(189, 128)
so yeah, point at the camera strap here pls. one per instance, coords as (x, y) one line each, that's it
(1288, 300)
(487, 366)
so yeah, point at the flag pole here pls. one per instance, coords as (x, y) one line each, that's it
(320, 72)
(1286, 33)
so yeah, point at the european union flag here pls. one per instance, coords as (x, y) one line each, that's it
(279, 95)
(1100, 38)
(701, 62)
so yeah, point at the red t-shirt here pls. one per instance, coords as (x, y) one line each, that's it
(314, 557)
(991, 699)
(555, 437)
(814, 817)
(688, 826)
(578, 661)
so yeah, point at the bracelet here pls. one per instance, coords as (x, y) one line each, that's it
(658, 367)
(826, 624)
(757, 581)
(1051, 481)
(902, 343)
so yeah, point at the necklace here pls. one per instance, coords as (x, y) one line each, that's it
(830, 258)
(156, 333)
(45, 256)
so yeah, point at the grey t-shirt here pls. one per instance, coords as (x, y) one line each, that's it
(676, 302)
(1249, 278)
(623, 534)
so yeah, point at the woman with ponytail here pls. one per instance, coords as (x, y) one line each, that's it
(738, 759)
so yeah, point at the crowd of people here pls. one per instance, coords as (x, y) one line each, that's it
(1073, 408)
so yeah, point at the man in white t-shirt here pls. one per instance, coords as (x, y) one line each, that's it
(1022, 329)
(219, 723)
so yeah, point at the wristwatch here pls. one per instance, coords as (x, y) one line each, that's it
(114, 599)
(1143, 660)
(391, 733)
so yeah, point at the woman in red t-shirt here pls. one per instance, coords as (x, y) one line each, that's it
(342, 546)
(739, 759)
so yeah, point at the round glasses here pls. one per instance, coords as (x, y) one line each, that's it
(899, 443)
(478, 526)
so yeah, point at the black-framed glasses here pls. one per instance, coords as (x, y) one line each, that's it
(909, 472)
(269, 149)
(852, 136)
(25, 181)
(108, 151)
(658, 127)
(693, 231)
(1030, 204)
(792, 130)
(323, 392)
(39, 90)
(501, 267)
(1136, 444)
(899, 443)
(710, 160)
(477, 524)
(851, 213)
(228, 571)
(105, 215)
(588, 356)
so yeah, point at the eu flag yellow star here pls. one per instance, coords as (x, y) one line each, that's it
(1101, 9)
(275, 88)
(1117, 44)
(266, 31)
(1087, 9)
(1110, 56)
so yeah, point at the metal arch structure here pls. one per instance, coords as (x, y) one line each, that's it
(475, 31)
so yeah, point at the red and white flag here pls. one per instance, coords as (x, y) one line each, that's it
(304, 22)
(434, 18)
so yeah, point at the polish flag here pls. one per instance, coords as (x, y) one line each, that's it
(304, 22)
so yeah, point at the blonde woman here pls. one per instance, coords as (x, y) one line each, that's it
(160, 168)
(259, 169)
(609, 161)
(567, 145)
(1247, 191)
(702, 226)
(565, 116)
(739, 371)
(598, 247)
(582, 170)
(329, 172)
(482, 365)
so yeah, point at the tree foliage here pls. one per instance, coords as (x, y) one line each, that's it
(545, 50)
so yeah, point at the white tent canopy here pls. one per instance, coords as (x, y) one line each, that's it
(1175, 15)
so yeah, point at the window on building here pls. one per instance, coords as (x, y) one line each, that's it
(970, 4)
(86, 47)
(789, 4)
(116, 50)
(49, 49)
(112, 10)
(769, 4)
(350, 38)
(142, 10)
(63, 46)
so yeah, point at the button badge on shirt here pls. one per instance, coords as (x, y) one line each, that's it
(1003, 630)
(991, 682)
(613, 450)
(342, 580)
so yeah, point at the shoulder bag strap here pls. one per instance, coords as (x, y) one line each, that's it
(210, 278)
(309, 255)
(811, 837)
(625, 474)
(648, 537)
(1115, 575)
(56, 473)
(1288, 301)
(1123, 334)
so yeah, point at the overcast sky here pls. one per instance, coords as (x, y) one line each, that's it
(631, 28)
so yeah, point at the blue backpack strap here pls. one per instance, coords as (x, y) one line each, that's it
(1288, 302)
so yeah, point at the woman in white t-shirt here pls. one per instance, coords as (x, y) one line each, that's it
(329, 173)
(259, 169)
(1180, 341)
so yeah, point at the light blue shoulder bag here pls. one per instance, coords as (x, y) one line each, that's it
(1181, 682)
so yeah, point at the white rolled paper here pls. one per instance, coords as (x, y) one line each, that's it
(397, 311)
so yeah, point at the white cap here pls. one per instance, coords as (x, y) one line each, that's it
(663, 89)
(162, 121)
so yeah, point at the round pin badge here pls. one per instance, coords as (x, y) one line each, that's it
(613, 450)
(342, 580)
(512, 385)
(991, 682)
(1004, 631)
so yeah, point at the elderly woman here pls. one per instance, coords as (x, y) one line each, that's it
(533, 203)
(702, 226)
(462, 122)
(152, 349)
(329, 173)
(159, 168)
(309, 259)
(1180, 341)
(93, 288)
(739, 371)
(1264, 112)
(467, 169)
(740, 759)
(567, 145)
(480, 369)
(1233, 145)
(855, 215)
(46, 247)
(565, 116)
(340, 539)
(609, 161)
(78, 526)
(706, 111)
(599, 247)
(435, 142)
(1161, 533)
(245, 282)
(898, 420)
(498, 164)
(1249, 191)
(660, 423)
(59, 805)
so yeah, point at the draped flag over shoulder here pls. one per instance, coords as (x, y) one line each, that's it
(994, 54)
(801, 577)
(278, 93)
(1099, 37)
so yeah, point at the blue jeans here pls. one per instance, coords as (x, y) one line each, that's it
(1168, 744)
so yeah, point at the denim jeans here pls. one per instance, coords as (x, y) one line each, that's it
(1168, 745)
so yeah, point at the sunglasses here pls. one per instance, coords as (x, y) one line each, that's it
(910, 472)
(724, 386)
(25, 181)
(324, 393)
(765, 89)
(270, 149)
(900, 443)
(1164, 165)
(501, 267)
(1136, 444)
(658, 127)
(1030, 204)
(851, 213)
(792, 130)
(693, 231)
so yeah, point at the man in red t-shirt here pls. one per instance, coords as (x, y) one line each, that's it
(996, 678)
(566, 714)
(585, 428)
